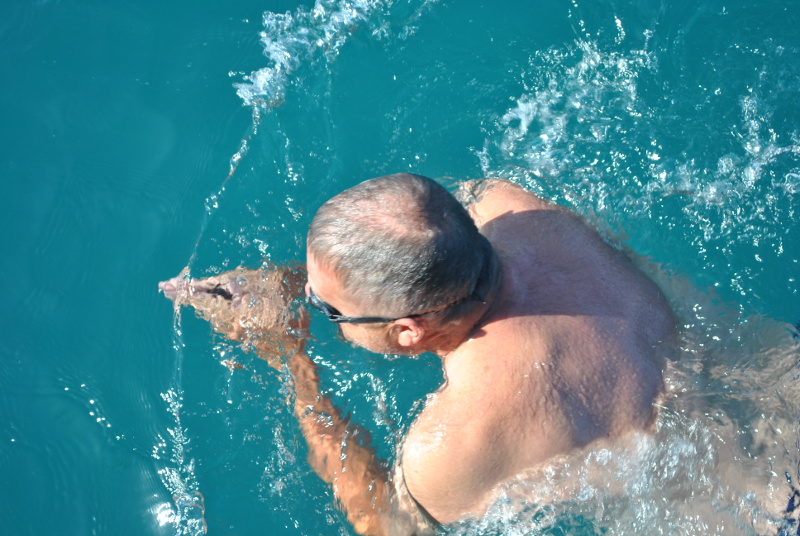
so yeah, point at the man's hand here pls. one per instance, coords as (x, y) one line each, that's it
(253, 307)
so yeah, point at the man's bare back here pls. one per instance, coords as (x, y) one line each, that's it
(561, 354)
(565, 356)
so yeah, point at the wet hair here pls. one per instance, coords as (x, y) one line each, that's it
(401, 244)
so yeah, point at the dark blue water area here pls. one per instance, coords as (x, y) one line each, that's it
(137, 139)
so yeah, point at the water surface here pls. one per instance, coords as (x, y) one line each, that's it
(139, 139)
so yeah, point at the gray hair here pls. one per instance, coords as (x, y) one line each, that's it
(401, 242)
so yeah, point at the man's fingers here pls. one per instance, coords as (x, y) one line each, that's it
(173, 288)
(170, 288)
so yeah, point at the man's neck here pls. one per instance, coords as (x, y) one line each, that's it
(460, 331)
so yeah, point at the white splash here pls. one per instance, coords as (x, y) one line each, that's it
(292, 40)
(186, 512)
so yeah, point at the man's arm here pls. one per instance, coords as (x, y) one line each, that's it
(254, 307)
(340, 453)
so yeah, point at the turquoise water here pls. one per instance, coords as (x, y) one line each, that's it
(139, 139)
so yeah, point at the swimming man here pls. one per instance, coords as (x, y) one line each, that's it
(547, 337)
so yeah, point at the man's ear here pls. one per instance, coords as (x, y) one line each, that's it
(408, 332)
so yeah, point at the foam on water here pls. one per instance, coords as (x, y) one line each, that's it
(588, 132)
(186, 512)
(308, 36)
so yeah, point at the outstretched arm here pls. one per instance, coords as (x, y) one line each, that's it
(254, 307)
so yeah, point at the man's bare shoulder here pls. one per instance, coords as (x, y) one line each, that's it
(455, 453)
(486, 199)
(441, 460)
